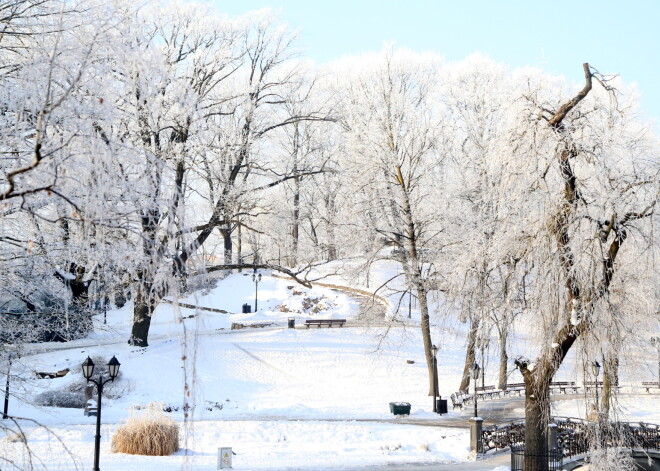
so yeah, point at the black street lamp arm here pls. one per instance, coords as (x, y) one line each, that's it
(100, 382)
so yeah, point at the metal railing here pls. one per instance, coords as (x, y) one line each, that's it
(576, 436)
(554, 459)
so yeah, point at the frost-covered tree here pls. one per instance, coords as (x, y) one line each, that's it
(582, 184)
(48, 76)
(395, 163)
(477, 96)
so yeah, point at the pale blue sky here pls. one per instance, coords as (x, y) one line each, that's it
(620, 37)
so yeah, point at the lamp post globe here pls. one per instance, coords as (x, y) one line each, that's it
(476, 371)
(88, 368)
(113, 367)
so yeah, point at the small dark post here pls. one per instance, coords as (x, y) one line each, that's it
(6, 408)
(476, 435)
(434, 352)
(552, 438)
(656, 342)
(475, 375)
(595, 369)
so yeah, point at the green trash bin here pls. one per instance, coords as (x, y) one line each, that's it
(400, 408)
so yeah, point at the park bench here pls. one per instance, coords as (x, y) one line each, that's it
(465, 396)
(457, 401)
(562, 386)
(488, 391)
(649, 384)
(329, 322)
(514, 388)
(590, 385)
(51, 375)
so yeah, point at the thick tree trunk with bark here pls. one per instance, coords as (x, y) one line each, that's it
(537, 414)
(145, 304)
(469, 353)
(148, 294)
(228, 246)
(504, 359)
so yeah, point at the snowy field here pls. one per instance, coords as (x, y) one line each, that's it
(281, 398)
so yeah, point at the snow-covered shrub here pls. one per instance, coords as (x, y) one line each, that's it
(60, 398)
(151, 433)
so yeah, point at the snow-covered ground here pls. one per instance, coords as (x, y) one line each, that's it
(282, 398)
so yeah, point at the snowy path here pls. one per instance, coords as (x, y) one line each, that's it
(488, 464)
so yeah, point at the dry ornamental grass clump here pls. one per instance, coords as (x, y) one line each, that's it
(151, 433)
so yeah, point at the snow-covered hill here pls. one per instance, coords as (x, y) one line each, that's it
(306, 398)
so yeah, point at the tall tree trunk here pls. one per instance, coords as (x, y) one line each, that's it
(415, 276)
(537, 415)
(538, 378)
(239, 245)
(332, 244)
(330, 212)
(145, 304)
(295, 228)
(228, 247)
(504, 358)
(146, 297)
(469, 353)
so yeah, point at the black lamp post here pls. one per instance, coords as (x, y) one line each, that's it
(476, 371)
(434, 352)
(256, 277)
(595, 369)
(88, 371)
(4, 412)
(655, 341)
(482, 344)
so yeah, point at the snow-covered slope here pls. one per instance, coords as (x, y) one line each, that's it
(306, 398)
